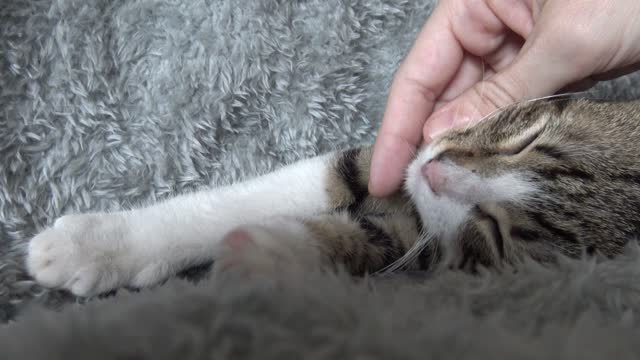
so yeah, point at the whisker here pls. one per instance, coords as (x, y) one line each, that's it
(436, 245)
(411, 254)
(482, 79)
(554, 96)
(561, 95)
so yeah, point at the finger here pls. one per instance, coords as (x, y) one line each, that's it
(504, 55)
(470, 72)
(474, 69)
(516, 14)
(496, 54)
(428, 68)
(516, 82)
(390, 159)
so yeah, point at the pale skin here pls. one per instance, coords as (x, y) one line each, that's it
(474, 57)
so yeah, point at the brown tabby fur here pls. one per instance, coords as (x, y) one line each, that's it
(585, 158)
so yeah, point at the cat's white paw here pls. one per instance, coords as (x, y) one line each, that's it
(85, 254)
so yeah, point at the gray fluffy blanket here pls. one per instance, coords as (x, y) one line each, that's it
(109, 104)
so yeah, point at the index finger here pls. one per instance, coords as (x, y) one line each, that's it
(429, 67)
(423, 76)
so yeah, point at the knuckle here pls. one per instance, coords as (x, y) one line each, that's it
(406, 77)
(493, 94)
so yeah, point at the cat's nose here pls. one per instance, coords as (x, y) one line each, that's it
(432, 172)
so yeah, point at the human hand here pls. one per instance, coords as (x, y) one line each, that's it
(473, 57)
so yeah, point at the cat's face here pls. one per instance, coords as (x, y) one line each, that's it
(534, 179)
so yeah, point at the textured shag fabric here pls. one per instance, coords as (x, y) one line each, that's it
(110, 104)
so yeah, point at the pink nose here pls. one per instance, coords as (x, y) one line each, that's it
(432, 172)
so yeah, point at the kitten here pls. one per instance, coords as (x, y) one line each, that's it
(536, 179)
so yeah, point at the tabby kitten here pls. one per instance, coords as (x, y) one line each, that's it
(535, 180)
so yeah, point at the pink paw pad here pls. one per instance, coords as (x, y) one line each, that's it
(238, 239)
(242, 247)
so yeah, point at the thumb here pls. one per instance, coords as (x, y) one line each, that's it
(523, 79)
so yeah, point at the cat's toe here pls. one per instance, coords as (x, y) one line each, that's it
(84, 281)
(78, 253)
(239, 239)
(47, 258)
(243, 251)
(256, 249)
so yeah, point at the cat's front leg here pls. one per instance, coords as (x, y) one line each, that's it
(92, 253)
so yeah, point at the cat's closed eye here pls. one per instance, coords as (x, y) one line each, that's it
(520, 145)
